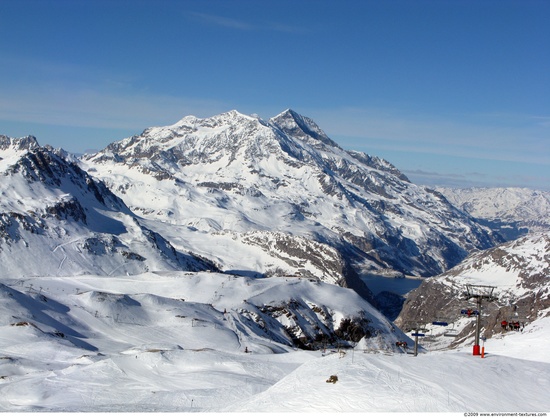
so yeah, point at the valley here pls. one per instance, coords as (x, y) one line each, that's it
(234, 264)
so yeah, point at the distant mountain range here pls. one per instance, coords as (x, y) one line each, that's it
(512, 212)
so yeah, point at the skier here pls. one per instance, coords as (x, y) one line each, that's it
(504, 325)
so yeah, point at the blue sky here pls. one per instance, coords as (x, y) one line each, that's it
(452, 92)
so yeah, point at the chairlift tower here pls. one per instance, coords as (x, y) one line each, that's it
(479, 293)
(446, 322)
(418, 331)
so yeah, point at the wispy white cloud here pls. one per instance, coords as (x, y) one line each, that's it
(87, 107)
(477, 179)
(238, 24)
(523, 138)
(226, 22)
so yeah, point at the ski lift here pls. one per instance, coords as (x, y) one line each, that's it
(451, 331)
(469, 312)
(415, 326)
(429, 337)
(442, 322)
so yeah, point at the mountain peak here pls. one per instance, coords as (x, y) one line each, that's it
(233, 172)
(18, 144)
(301, 127)
(222, 117)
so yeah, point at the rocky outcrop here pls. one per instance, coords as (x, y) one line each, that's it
(517, 274)
(55, 219)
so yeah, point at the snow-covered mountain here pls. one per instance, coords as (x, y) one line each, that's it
(281, 187)
(106, 304)
(90, 322)
(512, 212)
(56, 220)
(265, 315)
(516, 273)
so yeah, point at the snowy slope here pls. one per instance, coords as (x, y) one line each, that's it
(55, 220)
(161, 342)
(516, 273)
(235, 174)
(270, 314)
(105, 310)
(435, 382)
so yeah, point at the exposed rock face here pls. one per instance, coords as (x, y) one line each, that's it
(309, 325)
(238, 174)
(517, 273)
(18, 144)
(321, 330)
(55, 219)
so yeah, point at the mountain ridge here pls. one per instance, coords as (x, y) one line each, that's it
(516, 273)
(512, 211)
(286, 175)
(55, 219)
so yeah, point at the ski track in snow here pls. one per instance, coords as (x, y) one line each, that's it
(427, 383)
(149, 359)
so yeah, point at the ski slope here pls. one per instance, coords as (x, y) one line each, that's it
(180, 342)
